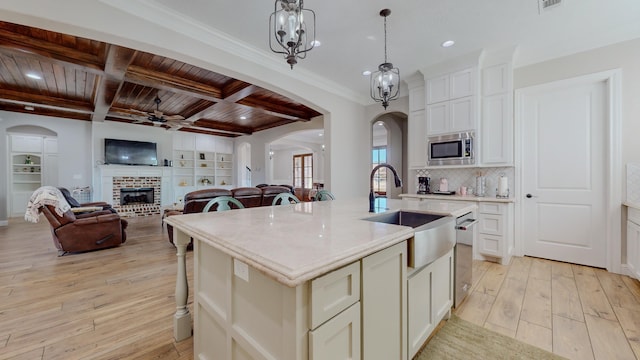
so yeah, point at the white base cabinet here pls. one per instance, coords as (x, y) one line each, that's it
(495, 231)
(384, 309)
(429, 300)
(633, 242)
(355, 312)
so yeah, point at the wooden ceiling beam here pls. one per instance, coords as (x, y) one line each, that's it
(44, 111)
(290, 112)
(219, 125)
(146, 77)
(115, 67)
(23, 45)
(237, 90)
(38, 100)
(273, 124)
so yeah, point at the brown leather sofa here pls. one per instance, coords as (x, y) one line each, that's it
(195, 201)
(91, 231)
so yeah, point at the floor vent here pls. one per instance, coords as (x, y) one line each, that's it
(546, 5)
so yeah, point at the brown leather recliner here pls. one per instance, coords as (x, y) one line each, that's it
(270, 192)
(248, 196)
(195, 201)
(90, 231)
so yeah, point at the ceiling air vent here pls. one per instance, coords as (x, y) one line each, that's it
(545, 5)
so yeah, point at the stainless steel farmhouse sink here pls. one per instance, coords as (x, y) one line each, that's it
(434, 235)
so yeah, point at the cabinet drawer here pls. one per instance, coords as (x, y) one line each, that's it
(334, 292)
(491, 224)
(339, 338)
(491, 208)
(490, 245)
(633, 215)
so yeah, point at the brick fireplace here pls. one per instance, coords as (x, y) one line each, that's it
(132, 188)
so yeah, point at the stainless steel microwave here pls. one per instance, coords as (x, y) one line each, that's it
(451, 149)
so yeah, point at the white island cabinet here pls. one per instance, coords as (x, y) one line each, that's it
(305, 281)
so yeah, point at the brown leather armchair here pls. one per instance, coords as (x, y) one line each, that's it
(91, 231)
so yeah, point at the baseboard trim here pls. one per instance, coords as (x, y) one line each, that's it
(625, 270)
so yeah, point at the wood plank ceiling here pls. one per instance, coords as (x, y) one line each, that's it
(59, 75)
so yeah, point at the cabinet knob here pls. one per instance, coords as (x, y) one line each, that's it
(529, 196)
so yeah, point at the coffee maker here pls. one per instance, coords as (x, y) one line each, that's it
(424, 185)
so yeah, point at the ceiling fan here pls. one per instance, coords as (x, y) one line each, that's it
(158, 118)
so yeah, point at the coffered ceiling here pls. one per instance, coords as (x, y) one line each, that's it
(90, 80)
(48, 73)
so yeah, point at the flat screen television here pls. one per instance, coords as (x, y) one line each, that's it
(127, 152)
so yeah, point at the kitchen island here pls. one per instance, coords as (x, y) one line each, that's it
(304, 281)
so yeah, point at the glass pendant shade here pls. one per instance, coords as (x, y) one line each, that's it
(291, 32)
(385, 83)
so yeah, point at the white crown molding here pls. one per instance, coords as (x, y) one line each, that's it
(161, 15)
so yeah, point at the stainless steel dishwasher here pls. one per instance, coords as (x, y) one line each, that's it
(463, 257)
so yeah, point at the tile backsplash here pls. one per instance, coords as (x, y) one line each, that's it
(633, 183)
(467, 177)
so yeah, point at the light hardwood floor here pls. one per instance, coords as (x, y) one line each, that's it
(118, 303)
(574, 311)
(109, 304)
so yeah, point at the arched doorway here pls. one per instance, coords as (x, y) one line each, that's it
(389, 145)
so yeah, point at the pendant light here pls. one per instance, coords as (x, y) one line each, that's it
(294, 35)
(385, 82)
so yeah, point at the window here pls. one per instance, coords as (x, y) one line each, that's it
(303, 171)
(379, 156)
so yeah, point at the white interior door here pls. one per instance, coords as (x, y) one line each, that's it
(563, 169)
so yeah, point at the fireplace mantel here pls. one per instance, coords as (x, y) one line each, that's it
(108, 172)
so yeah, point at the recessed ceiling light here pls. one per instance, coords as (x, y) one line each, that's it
(243, 118)
(448, 43)
(366, 73)
(315, 43)
(34, 76)
(321, 134)
(29, 108)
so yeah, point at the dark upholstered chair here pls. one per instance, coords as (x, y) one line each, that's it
(270, 192)
(324, 195)
(222, 203)
(285, 198)
(91, 231)
(248, 196)
(74, 203)
(194, 202)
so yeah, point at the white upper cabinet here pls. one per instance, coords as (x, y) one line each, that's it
(451, 86)
(451, 101)
(462, 84)
(438, 89)
(495, 79)
(497, 116)
(184, 141)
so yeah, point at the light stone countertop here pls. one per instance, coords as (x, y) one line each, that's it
(296, 243)
(631, 205)
(459, 198)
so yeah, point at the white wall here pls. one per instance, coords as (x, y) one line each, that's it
(74, 145)
(282, 164)
(626, 56)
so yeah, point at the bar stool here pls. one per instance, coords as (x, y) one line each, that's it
(285, 199)
(223, 203)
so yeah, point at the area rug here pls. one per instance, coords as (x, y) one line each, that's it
(461, 340)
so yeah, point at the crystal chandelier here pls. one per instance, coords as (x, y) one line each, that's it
(293, 36)
(385, 82)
